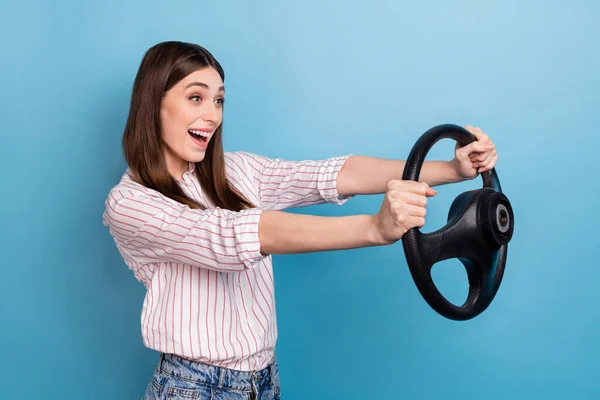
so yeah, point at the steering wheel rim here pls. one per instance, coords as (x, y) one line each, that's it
(474, 234)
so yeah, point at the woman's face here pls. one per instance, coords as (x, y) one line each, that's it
(190, 113)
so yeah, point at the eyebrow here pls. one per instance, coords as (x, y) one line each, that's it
(203, 85)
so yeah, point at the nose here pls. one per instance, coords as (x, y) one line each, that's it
(210, 113)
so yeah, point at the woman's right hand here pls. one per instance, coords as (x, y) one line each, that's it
(403, 208)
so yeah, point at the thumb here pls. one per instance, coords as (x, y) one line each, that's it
(430, 192)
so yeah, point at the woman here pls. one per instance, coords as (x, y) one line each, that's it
(198, 226)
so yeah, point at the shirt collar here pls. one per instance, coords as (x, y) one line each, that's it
(191, 168)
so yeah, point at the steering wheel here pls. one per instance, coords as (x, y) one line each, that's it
(480, 225)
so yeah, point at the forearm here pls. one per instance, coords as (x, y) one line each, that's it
(370, 175)
(287, 233)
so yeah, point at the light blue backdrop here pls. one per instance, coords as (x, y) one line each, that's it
(311, 79)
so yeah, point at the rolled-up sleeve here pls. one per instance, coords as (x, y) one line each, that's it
(155, 230)
(284, 184)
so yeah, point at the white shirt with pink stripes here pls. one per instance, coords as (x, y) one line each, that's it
(210, 291)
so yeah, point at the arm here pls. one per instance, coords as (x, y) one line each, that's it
(370, 175)
(287, 233)
(285, 184)
(403, 208)
(154, 229)
(150, 228)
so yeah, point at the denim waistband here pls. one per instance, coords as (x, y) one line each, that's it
(194, 371)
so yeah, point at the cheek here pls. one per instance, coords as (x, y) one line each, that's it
(172, 123)
(166, 122)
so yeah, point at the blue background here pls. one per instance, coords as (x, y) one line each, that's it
(311, 79)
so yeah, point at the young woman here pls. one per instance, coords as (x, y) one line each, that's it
(198, 226)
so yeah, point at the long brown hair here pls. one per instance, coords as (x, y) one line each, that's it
(162, 66)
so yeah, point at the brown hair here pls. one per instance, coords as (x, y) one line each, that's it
(161, 68)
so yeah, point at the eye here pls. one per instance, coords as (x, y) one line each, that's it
(220, 101)
(195, 98)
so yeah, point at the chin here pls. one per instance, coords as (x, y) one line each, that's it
(197, 157)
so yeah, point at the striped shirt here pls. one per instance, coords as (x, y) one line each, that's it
(209, 290)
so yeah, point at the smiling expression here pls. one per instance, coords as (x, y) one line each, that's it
(191, 111)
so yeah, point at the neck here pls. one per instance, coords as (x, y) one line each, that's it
(176, 166)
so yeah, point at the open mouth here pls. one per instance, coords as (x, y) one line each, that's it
(199, 135)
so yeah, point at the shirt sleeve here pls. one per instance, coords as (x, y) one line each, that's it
(152, 229)
(285, 184)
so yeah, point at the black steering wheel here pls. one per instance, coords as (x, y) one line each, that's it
(480, 225)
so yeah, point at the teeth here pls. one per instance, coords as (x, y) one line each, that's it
(199, 133)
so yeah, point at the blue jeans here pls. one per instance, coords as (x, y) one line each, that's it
(176, 378)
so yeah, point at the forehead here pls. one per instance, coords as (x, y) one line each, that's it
(207, 76)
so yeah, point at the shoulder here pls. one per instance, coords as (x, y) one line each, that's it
(242, 162)
(242, 173)
(239, 159)
(128, 191)
(127, 188)
(251, 163)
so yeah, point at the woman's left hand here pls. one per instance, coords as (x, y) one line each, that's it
(476, 157)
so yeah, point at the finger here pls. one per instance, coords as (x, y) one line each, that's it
(415, 211)
(421, 188)
(408, 210)
(415, 222)
(482, 136)
(409, 221)
(429, 191)
(406, 185)
(488, 159)
(482, 158)
(478, 133)
(474, 147)
(489, 165)
(478, 157)
(411, 199)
